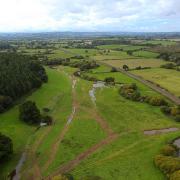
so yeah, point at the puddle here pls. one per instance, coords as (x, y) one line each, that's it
(92, 92)
(160, 131)
(19, 166)
(71, 116)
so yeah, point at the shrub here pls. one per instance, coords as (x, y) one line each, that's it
(166, 109)
(175, 175)
(30, 113)
(109, 80)
(169, 150)
(6, 147)
(114, 69)
(60, 177)
(5, 102)
(130, 92)
(175, 111)
(47, 119)
(168, 66)
(177, 118)
(157, 101)
(167, 164)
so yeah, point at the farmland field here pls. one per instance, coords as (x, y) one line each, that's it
(145, 54)
(133, 63)
(96, 132)
(169, 79)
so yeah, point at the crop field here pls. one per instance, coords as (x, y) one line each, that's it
(168, 79)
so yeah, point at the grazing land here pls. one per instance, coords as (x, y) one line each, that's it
(133, 63)
(96, 132)
(167, 78)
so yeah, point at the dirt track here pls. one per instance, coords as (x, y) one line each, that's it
(73, 163)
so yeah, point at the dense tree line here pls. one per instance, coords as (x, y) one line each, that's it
(6, 147)
(18, 75)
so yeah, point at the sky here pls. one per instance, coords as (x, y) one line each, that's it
(90, 15)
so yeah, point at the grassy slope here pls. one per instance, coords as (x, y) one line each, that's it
(167, 78)
(19, 131)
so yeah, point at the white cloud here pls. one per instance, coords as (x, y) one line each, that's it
(92, 15)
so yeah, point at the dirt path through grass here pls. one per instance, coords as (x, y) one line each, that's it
(111, 136)
(73, 163)
(59, 139)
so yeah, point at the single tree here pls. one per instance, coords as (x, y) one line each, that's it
(30, 113)
(125, 67)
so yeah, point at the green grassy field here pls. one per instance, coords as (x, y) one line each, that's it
(84, 131)
(59, 54)
(133, 63)
(145, 54)
(162, 42)
(167, 78)
(124, 47)
(131, 155)
(113, 55)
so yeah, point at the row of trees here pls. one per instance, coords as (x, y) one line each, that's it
(19, 74)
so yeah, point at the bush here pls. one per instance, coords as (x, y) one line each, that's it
(60, 177)
(175, 111)
(109, 80)
(114, 69)
(166, 109)
(175, 175)
(157, 101)
(177, 118)
(30, 113)
(168, 66)
(47, 119)
(167, 164)
(5, 102)
(130, 92)
(169, 150)
(6, 147)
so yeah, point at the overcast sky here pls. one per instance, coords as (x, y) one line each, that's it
(89, 15)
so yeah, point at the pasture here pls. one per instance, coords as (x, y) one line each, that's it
(167, 78)
(133, 63)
